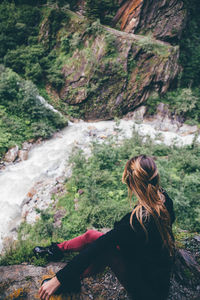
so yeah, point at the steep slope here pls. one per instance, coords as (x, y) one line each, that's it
(108, 72)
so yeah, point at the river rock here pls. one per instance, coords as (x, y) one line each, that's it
(11, 155)
(23, 154)
(137, 115)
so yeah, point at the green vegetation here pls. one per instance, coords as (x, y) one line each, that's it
(104, 10)
(183, 103)
(149, 44)
(190, 46)
(101, 198)
(23, 116)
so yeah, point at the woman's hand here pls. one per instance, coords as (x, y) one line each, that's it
(48, 288)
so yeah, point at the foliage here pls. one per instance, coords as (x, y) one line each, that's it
(17, 25)
(149, 44)
(101, 198)
(182, 102)
(23, 116)
(103, 10)
(190, 46)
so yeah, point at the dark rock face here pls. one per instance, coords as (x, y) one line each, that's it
(110, 73)
(163, 19)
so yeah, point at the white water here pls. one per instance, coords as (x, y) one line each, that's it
(49, 160)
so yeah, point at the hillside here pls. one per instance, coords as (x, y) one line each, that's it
(95, 63)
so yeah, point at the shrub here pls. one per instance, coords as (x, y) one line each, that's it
(23, 116)
(103, 10)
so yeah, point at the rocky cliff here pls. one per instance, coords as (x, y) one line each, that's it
(163, 19)
(108, 72)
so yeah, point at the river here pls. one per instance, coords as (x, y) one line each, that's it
(48, 161)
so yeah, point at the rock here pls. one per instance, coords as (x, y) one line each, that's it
(58, 217)
(137, 114)
(113, 72)
(11, 155)
(23, 154)
(31, 193)
(27, 145)
(80, 192)
(197, 238)
(165, 20)
(23, 281)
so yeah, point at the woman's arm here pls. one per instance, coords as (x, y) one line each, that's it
(75, 268)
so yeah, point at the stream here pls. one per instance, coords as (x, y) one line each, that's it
(48, 161)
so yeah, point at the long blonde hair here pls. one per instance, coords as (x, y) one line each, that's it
(142, 178)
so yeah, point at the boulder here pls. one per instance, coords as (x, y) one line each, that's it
(23, 154)
(11, 155)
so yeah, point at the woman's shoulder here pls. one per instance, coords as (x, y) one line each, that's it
(123, 221)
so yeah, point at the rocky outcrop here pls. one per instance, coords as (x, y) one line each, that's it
(23, 282)
(108, 72)
(163, 19)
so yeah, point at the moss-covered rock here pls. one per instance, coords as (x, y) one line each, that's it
(106, 72)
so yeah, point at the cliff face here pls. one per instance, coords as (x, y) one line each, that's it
(163, 19)
(108, 72)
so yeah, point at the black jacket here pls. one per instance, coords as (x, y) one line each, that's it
(148, 262)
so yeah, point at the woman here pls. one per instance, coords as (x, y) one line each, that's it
(140, 247)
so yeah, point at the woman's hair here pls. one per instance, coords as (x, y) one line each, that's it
(142, 178)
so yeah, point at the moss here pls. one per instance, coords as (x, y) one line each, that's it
(17, 294)
(150, 45)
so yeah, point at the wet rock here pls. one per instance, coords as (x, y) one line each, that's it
(27, 145)
(11, 155)
(23, 154)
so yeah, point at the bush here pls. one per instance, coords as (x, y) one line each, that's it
(16, 25)
(103, 10)
(190, 46)
(183, 102)
(23, 116)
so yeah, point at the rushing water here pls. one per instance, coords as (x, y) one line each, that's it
(49, 160)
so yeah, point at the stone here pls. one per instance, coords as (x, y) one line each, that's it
(11, 155)
(137, 114)
(80, 192)
(31, 193)
(23, 154)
